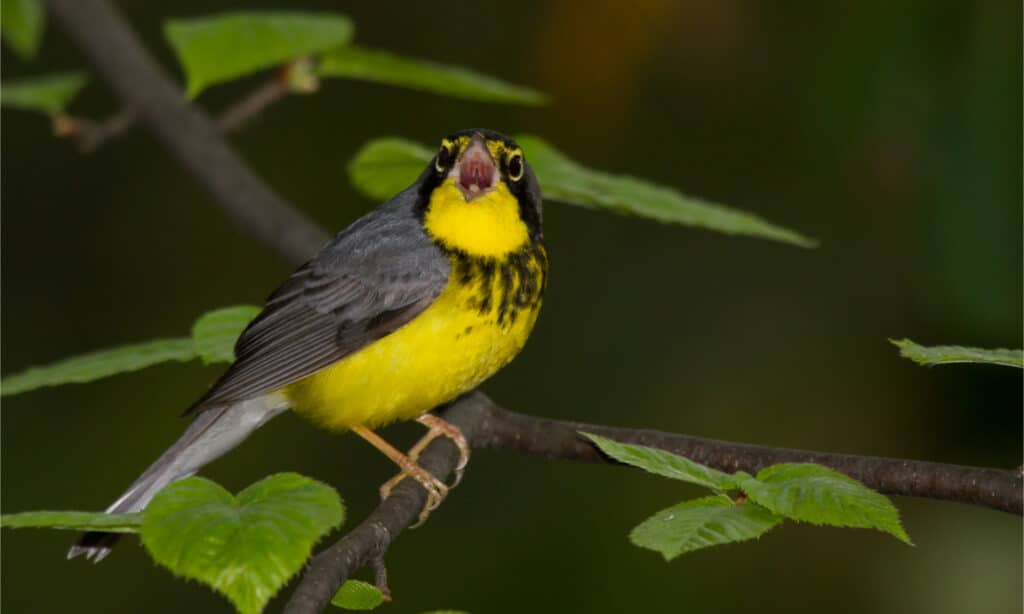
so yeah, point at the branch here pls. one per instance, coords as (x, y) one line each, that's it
(187, 131)
(91, 135)
(999, 489)
(194, 139)
(486, 425)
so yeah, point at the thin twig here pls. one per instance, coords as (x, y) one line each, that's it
(92, 135)
(247, 108)
(380, 576)
(257, 210)
(296, 76)
(89, 134)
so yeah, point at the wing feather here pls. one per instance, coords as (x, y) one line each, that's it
(372, 279)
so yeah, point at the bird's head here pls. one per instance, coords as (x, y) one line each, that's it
(475, 177)
(477, 160)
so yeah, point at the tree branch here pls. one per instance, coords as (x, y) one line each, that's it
(184, 129)
(486, 425)
(999, 489)
(257, 210)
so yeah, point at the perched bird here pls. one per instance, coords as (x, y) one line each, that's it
(412, 305)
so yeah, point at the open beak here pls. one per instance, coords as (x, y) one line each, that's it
(476, 173)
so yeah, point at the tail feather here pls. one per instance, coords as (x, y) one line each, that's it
(212, 433)
(95, 545)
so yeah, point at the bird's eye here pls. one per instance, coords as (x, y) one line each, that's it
(443, 158)
(515, 167)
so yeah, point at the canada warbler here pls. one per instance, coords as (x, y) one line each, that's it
(412, 305)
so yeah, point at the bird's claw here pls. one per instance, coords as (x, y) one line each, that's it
(437, 428)
(436, 489)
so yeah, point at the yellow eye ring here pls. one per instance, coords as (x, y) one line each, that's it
(444, 158)
(515, 167)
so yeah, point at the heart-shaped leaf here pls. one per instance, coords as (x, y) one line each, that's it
(244, 547)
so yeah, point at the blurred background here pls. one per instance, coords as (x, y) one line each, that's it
(891, 131)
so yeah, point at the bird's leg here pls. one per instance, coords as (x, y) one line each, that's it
(436, 489)
(439, 427)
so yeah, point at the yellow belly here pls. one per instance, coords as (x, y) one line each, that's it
(476, 326)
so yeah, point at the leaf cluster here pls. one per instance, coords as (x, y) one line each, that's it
(744, 507)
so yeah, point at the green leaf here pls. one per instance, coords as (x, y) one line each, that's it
(76, 521)
(244, 547)
(213, 340)
(357, 595)
(230, 45)
(216, 332)
(382, 67)
(949, 354)
(384, 167)
(666, 464)
(96, 365)
(564, 180)
(818, 495)
(702, 523)
(21, 24)
(49, 94)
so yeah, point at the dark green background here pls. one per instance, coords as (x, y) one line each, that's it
(889, 130)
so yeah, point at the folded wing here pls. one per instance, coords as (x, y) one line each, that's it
(373, 278)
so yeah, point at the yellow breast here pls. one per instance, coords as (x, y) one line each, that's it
(478, 324)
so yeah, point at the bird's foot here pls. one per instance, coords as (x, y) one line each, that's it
(436, 489)
(438, 428)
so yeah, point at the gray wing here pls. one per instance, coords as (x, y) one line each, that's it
(374, 277)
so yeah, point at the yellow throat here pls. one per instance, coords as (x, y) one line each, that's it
(487, 226)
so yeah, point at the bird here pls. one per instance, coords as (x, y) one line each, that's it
(409, 307)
